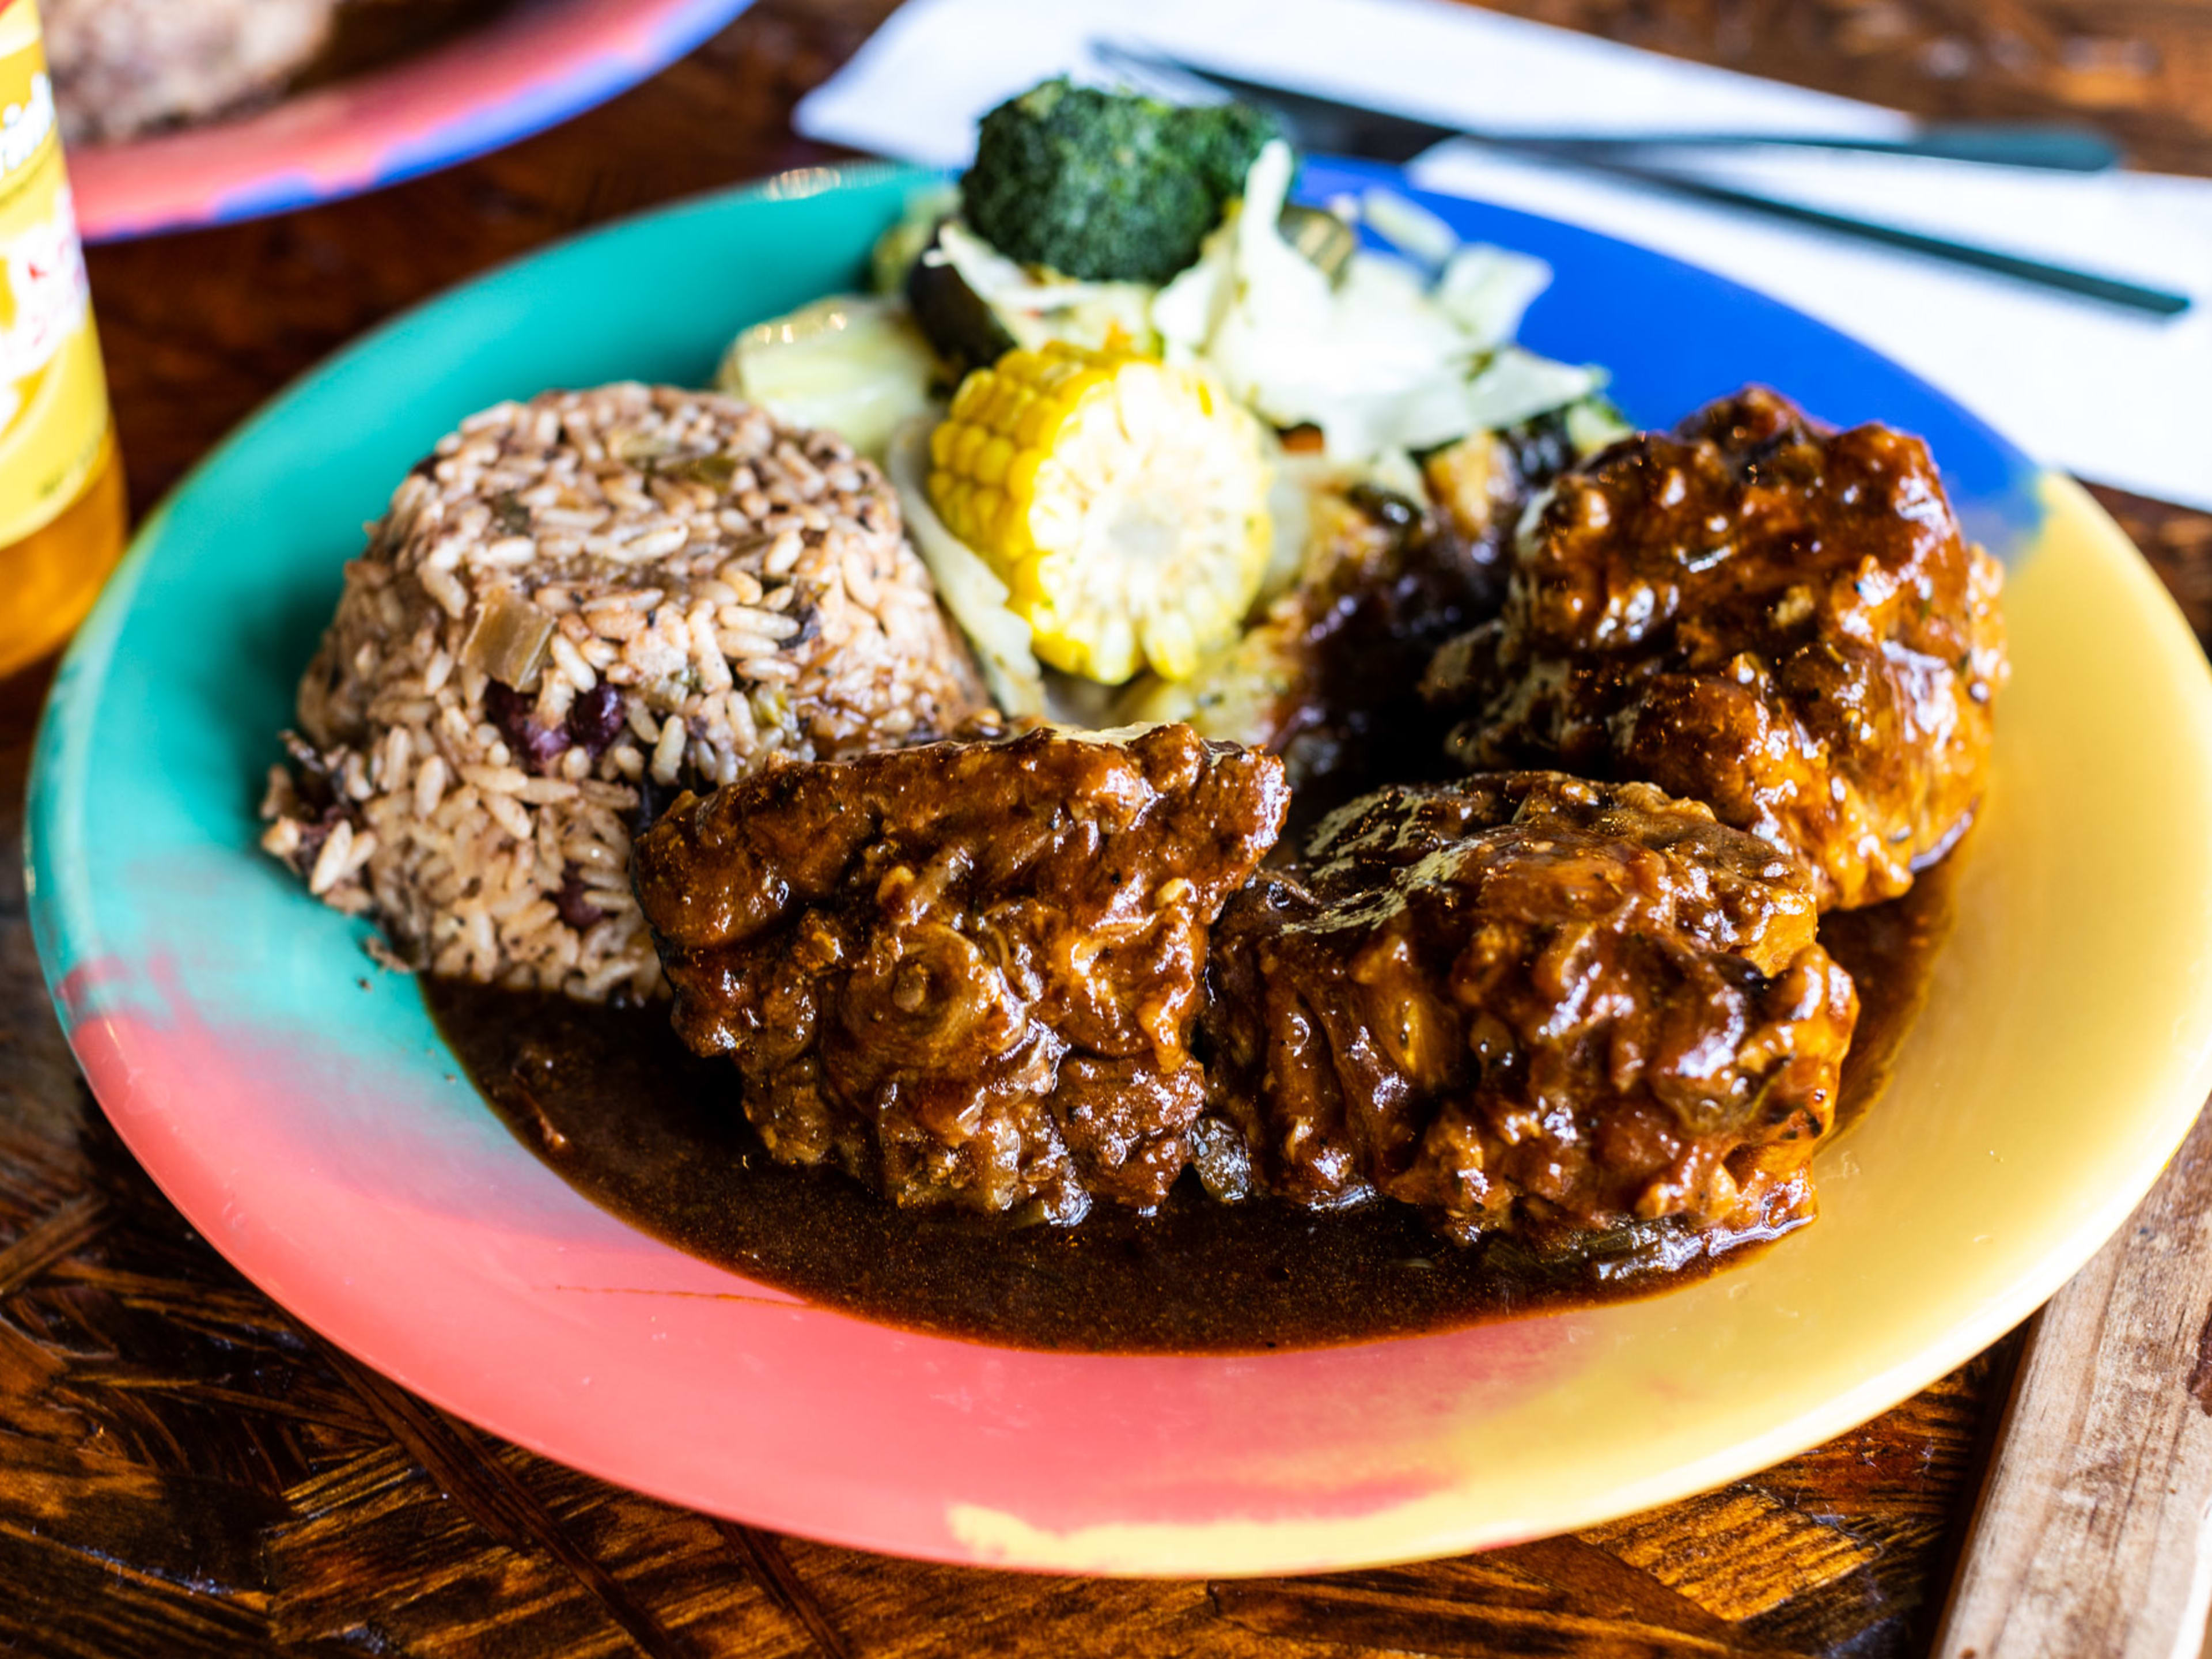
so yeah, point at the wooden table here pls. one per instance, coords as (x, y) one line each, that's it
(184, 1472)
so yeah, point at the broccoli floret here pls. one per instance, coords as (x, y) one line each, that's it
(1225, 140)
(1103, 185)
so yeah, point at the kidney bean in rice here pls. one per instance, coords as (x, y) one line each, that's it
(574, 609)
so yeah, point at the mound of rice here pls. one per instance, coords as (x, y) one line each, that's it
(574, 609)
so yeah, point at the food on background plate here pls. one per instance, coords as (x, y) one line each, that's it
(1527, 1001)
(966, 973)
(576, 608)
(125, 68)
(1780, 621)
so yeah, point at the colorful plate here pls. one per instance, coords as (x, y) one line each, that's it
(536, 65)
(297, 1104)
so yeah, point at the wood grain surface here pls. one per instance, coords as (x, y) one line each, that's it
(186, 1473)
(2092, 1532)
(2140, 70)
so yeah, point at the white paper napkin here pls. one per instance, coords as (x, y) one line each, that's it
(2118, 398)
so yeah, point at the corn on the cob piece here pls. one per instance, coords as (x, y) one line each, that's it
(1123, 502)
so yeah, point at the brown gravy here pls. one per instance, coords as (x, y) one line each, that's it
(614, 1104)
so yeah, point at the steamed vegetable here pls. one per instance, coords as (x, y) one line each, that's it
(971, 590)
(967, 294)
(1122, 503)
(853, 364)
(891, 261)
(1132, 308)
(1107, 186)
(959, 323)
(1379, 359)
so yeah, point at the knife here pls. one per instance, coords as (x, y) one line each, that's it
(1331, 126)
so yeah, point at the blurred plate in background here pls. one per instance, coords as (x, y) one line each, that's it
(532, 67)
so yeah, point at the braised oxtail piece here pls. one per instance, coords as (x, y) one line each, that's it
(1534, 1003)
(1778, 620)
(966, 973)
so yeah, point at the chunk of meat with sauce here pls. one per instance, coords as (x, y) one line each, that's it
(966, 973)
(1530, 1002)
(1778, 620)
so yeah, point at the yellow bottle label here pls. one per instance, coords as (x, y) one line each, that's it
(53, 393)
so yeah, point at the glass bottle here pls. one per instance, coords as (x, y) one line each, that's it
(62, 515)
